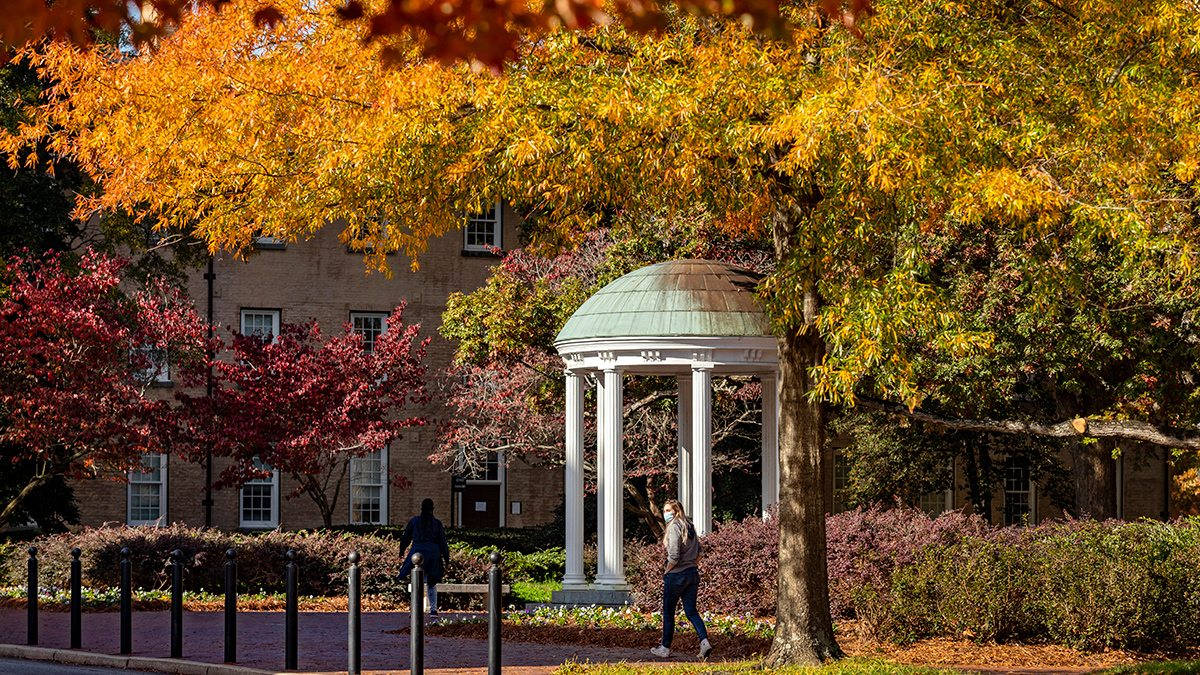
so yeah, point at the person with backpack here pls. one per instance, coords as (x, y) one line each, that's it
(681, 581)
(428, 538)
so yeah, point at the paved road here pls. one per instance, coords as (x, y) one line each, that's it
(22, 667)
(322, 641)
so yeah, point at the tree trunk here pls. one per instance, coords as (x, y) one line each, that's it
(985, 468)
(1094, 476)
(15, 503)
(803, 624)
(972, 471)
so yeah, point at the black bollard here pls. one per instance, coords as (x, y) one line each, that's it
(416, 651)
(290, 625)
(176, 604)
(354, 638)
(76, 600)
(31, 597)
(126, 604)
(494, 615)
(230, 606)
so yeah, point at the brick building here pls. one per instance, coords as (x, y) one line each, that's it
(321, 279)
(1140, 488)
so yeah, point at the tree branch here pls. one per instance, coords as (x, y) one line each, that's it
(1080, 427)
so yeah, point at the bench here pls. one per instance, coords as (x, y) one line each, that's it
(467, 589)
(477, 589)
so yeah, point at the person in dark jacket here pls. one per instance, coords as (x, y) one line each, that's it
(681, 580)
(428, 538)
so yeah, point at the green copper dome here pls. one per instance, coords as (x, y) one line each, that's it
(694, 298)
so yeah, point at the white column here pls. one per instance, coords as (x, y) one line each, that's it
(702, 449)
(770, 441)
(684, 475)
(612, 574)
(574, 577)
(600, 423)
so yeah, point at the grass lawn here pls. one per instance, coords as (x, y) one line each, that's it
(525, 591)
(852, 666)
(1158, 667)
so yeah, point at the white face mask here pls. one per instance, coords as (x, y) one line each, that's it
(668, 516)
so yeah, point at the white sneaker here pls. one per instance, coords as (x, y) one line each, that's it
(705, 648)
(661, 652)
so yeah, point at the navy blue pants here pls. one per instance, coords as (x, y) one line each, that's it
(681, 586)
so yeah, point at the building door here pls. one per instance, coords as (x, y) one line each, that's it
(480, 506)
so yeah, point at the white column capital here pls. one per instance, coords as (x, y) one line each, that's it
(703, 367)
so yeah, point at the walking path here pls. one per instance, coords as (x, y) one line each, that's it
(322, 645)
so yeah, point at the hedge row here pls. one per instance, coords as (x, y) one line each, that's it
(261, 559)
(905, 576)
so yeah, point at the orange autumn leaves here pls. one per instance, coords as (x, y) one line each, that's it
(942, 117)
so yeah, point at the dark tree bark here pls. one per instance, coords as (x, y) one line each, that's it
(1094, 476)
(985, 469)
(803, 624)
(974, 487)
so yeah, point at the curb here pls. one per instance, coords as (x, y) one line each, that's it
(81, 658)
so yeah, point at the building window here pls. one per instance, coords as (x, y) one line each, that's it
(368, 488)
(937, 502)
(934, 503)
(489, 472)
(482, 231)
(260, 500)
(1018, 492)
(264, 242)
(841, 482)
(148, 492)
(370, 325)
(157, 368)
(263, 323)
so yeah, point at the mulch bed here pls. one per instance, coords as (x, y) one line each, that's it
(934, 652)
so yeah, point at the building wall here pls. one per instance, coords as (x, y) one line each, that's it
(319, 279)
(1141, 495)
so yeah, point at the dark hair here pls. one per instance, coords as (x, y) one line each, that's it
(425, 522)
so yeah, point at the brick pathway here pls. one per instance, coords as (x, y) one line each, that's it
(322, 641)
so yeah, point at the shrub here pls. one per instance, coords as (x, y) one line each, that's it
(906, 576)
(1116, 584)
(737, 568)
(261, 559)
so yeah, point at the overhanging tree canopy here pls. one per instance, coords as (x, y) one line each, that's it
(1070, 125)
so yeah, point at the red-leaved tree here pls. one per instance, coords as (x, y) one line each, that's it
(304, 405)
(77, 357)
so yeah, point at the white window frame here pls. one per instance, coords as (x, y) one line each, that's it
(947, 496)
(382, 485)
(161, 374)
(1030, 494)
(269, 243)
(501, 479)
(275, 316)
(162, 492)
(271, 523)
(496, 218)
(382, 316)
